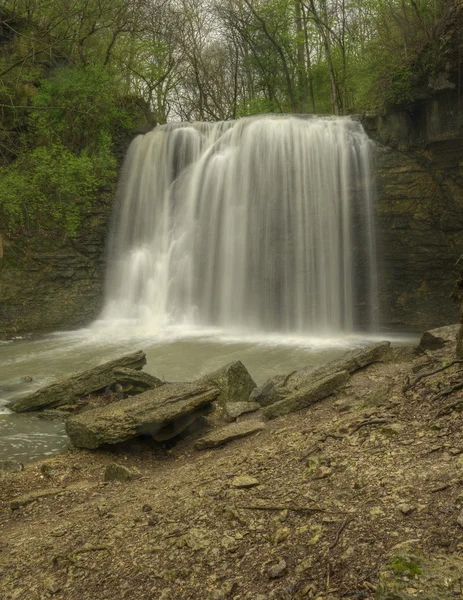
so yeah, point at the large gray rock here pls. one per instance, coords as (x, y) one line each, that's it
(411, 575)
(280, 387)
(306, 396)
(434, 339)
(70, 389)
(156, 412)
(234, 382)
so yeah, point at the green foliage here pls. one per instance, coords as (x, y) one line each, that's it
(72, 122)
(401, 566)
(48, 189)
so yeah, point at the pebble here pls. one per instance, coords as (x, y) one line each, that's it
(244, 482)
(277, 570)
(116, 472)
(406, 509)
(460, 519)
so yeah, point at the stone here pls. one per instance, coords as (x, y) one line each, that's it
(281, 535)
(233, 410)
(152, 413)
(435, 339)
(27, 379)
(279, 387)
(233, 381)
(135, 382)
(12, 466)
(305, 397)
(244, 482)
(406, 509)
(116, 472)
(411, 575)
(70, 389)
(231, 432)
(277, 570)
(460, 519)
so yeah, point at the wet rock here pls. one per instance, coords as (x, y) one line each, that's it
(161, 413)
(12, 466)
(411, 575)
(116, 472)
(244, 482)
(229, 433)
(281, 387)
(70, 389)
(277, 570)
(27, 379)
(135, 382)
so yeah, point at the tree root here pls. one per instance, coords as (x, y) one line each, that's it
(446, 409)
(409, 385)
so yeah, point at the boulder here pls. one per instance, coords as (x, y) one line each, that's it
(231, 432)
(70, 389)
(435, 339)
(278, 388)
(156, 412)
(411, 575)
(234, 382)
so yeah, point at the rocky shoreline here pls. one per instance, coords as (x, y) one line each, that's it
(356, 495)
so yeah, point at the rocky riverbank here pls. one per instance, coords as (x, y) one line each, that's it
(313, 505)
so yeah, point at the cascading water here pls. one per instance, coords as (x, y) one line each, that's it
(263, 224)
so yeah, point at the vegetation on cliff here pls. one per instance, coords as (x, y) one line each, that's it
(75, 76)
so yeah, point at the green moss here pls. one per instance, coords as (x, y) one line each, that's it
(402, 566)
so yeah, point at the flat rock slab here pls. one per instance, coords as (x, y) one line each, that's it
(145, 414)
(279, 387)
(33, 496)
(305, 397)
(229, 433)
(70, 389)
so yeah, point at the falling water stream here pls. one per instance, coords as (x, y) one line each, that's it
(250, 240)
(263, 224)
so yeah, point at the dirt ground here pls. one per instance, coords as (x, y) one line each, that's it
(336, 487)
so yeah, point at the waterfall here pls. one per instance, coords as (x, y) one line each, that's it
(263, 224)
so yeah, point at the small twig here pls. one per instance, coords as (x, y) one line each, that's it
(340, 530)
(313, 449)
(316, 446)
(447, 391)
(418, 378)
(278, 508)
(369, 422)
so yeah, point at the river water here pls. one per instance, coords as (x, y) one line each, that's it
(173, 355)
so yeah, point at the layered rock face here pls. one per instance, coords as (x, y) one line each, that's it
(419, 174)
(47, 285)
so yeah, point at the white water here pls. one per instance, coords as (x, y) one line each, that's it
(261, 225)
